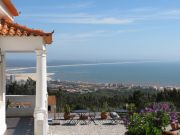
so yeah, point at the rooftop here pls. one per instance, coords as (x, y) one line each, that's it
(8, 28)
(11, 8)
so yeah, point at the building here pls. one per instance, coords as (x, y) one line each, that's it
(51, 104)
(16, 38)
(12, 78)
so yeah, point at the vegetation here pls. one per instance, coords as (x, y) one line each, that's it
(105, 107)
(8, 103)
(121, 98)
(135, 101)
(67, 108)
(151, 121)
(27, 88)
(149, 112)
(131, 107)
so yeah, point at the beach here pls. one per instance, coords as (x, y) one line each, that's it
(25, 76)
(151, 73)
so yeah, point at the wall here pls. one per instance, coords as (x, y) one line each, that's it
(20, 105)
(21, 44)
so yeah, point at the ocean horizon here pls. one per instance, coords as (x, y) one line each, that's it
(144, 72)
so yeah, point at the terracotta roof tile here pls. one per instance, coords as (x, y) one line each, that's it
(8, 28)
(12, 9)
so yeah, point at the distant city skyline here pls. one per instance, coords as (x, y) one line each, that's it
(103, 29)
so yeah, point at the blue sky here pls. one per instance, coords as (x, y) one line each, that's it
(106, 29)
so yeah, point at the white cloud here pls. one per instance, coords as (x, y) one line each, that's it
(143, 10)
(92, 35)
(91, 20)
(152, 14)
(172, 12)
(82, 36)
(77, 5)
(79, 18)
(68, 6)
(110, 21)
(58, 15)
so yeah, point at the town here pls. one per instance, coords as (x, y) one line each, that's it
(87, 87)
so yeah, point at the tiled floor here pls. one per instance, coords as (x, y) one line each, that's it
(20, 126)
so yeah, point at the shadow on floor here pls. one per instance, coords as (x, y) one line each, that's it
(20, 126)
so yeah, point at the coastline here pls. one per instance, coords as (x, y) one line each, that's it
(25, 76)
(84, 64)
(139, 73)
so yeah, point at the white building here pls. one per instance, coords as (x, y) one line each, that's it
(15, 38)
(12, 78)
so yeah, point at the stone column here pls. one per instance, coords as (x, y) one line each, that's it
(2, 93)
(41, 114)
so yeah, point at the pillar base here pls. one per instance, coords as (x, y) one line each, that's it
(3, 128)
(3, 125)
(40, 122)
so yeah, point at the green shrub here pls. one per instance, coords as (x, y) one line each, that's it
(148, 124)
(151, 121)
(131, 107)
(67, 108)
(105, 107)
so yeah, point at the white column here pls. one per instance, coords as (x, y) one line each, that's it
(2, 93)
(41, 114)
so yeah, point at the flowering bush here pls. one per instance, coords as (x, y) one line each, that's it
(151, 121)
(173, 117)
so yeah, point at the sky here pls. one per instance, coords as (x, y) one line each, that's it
(105, 29)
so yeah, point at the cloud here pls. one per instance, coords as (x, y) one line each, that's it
(172, 12)
(79, 18)
(82, 36)
(130, 30)
(92, 20)
(92, 35)
(128, 17)
(77, 5)
(53, 6)
(169, 14)
(142, 10)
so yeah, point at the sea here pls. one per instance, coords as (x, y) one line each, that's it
(142, 72)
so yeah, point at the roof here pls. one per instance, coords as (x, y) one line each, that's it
(12, 9)
(51, 100)
(8, 28)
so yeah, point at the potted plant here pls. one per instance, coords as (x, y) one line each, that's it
(174, 124)
(8, 103)
(104, 113)
(66, 112)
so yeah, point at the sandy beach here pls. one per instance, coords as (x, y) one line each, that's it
(25, 76)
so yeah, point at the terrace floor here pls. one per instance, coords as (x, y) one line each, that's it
(20, 126)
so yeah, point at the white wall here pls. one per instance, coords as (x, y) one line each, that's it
(14, 112)
(21, 44)
(2, 118)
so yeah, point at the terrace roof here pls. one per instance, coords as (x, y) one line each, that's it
(8, 28)
(11, 8)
